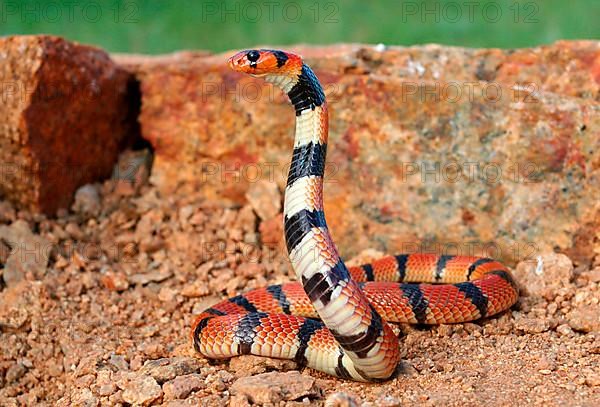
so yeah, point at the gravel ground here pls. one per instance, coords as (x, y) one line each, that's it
(99, 314)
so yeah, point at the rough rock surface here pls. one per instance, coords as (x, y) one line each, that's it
(545, 276)
(140, 390)
(275, 387)
(264, 197)
(248, 365)
(64, 115)
(28, 254)
(181, 386)
(448, 150)
(167, 369)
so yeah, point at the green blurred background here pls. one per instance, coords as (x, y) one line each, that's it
(155, 26)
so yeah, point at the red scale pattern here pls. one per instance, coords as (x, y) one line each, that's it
(445, 303)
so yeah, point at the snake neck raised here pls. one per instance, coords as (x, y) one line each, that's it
(301, 86)
(303, 206)
(337, 299)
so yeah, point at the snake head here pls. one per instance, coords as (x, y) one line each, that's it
(260, 62)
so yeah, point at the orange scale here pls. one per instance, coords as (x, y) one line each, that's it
(357, 273)
(272, 320)
(494, 286)
(350, 299)
(322, 335)
(419, 267)
(418, 260)
(262, 300)
(229, 307)
(292, 290)
(322, 111)
(263, 333)
(318, 235)
(385, 269)
(481, 270)
(360, 310)
(279, 340)
(456, 269)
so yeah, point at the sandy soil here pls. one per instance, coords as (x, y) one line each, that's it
(106, 322)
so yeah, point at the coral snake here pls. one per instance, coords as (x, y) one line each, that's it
(336, 319)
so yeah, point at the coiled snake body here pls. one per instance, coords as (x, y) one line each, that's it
(351, 339)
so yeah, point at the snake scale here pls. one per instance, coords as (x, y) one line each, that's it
(336, 318)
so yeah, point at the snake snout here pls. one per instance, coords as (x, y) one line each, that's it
(239, 62)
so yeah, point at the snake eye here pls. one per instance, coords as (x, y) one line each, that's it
(253, 55)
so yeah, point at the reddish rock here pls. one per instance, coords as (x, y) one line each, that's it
(545, 276)
(132, 171)
(532, 325)
(271, 231)
(594, 275)
(433, 149)
(87, 200)
(276, 387)
(165, 369)
(4, 253)
(115, 281)
(341, 399)
(570, 68)
(265, 199)
(140, 390)
(181, 386)
(28, 255)
(21, 303)
(84, 397)
(249, 365)
(65, 113)
(585, 318)
(198, 288)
